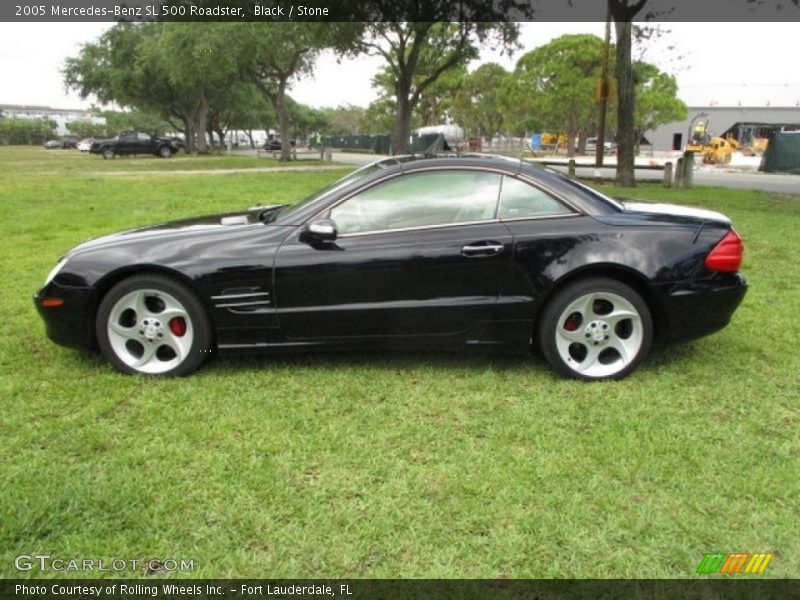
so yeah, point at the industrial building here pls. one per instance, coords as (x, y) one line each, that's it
(745, 123)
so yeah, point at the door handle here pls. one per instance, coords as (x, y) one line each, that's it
(482, 249)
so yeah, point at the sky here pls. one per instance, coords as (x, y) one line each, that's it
(716, 64)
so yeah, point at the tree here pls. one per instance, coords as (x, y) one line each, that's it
(179, 71)
(14, 131)
(623, 12)
(272, 54)
(343, 120)
(478, 107)
(657, 99)
(244, 108)
(118, 68)
(559, 79)
(196, 60)
(305, 119)
(444, 99)
(84, 128)
(380, 116)
(418, 52)
(136, 120)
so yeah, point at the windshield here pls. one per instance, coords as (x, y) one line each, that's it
(361, 173)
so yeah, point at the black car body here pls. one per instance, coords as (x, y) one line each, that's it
(128, 143)
(276, 144)
(446, 252)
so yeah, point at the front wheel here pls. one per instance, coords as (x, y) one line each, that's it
(596, 329)
(153, 325)
(108, 153)
(164, 152)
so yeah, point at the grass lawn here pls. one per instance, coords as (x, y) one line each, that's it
(388, 465)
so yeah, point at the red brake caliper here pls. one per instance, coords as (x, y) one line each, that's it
(571, 324)
(178, 326)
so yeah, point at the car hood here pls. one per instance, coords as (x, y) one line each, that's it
(192, 227)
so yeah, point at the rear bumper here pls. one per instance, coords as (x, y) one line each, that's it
(68, 324)
(699, 308)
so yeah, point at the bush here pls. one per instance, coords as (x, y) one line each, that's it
(19, 132)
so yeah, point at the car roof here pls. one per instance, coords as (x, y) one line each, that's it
(576, 194)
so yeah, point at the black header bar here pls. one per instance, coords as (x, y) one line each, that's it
(711, 11)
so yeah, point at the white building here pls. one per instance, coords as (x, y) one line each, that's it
(61, 116)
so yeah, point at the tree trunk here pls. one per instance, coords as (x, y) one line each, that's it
(249, 134)
(571, 143)
(582, 142)
(221, 135)
(210, 132)
(188, 135)
(282, 112)
(201, 119)
(626, 138)
(402, 122)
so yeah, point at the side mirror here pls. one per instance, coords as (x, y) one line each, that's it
(323, 230)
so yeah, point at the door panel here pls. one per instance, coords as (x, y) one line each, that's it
(394, 283)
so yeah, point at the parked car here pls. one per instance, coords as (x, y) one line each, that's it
(276, 144)
(180, 144)
(86, 144)
(444, 252)
(591, 146)
(63, 143)
(128, 143)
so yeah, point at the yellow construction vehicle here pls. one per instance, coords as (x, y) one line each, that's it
(719, 150)
(699, 137)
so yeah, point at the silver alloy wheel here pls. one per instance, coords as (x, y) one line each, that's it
(599, 334)
(150, 331)
(164, 152)
(108, 153)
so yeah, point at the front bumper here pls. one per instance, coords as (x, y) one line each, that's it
(68, 324)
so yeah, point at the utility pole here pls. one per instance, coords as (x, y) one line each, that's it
(603, 92)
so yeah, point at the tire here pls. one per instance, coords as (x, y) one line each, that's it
(108, 153)
(596, 329)
(164, 152)
(153, 325)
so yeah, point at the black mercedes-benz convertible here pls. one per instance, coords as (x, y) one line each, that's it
(444, 252)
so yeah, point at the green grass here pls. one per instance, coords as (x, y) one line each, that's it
(389, 465)
(61, 162)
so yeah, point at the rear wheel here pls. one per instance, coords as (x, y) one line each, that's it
(108, 153)
(153, 325)
(596, 329)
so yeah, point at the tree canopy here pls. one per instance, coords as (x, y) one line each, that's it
(418, 53)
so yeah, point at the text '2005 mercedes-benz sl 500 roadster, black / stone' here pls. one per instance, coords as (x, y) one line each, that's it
(447, 252)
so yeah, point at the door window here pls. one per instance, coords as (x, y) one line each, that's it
(426, 199)
(521, 200)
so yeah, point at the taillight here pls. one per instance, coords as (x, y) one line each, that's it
(727, 254)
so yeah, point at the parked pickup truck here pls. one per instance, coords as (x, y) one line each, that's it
(131, 142)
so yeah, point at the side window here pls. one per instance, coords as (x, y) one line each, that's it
(520, 200)
(127, 137)
(143, 137)
(419, 200)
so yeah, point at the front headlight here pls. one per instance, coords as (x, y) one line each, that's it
(55, 270)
